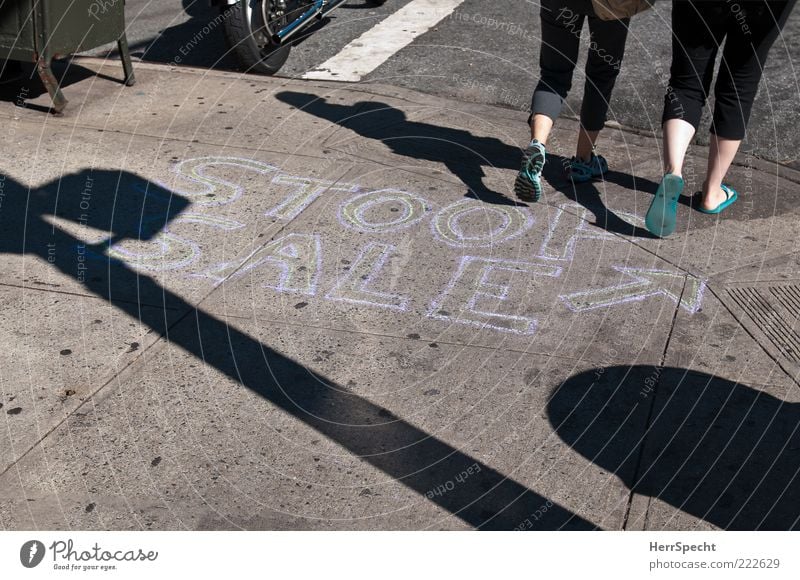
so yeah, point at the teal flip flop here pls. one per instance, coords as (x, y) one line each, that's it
(661, 217)
(732, 196)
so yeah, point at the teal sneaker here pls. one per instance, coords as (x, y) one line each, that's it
(583, 171)
(528, 185)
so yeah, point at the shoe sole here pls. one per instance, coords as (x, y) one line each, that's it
(662, 216)
(592, 177)
(528, 190)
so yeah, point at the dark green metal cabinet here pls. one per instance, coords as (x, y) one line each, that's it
(40, 30)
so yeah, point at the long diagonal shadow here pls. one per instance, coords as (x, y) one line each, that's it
(128, 207)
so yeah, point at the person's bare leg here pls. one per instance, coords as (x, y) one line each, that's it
(720, 156)
(541, 125)
(678, 135)
(586, 141)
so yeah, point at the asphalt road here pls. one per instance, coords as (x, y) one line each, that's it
(477, 55)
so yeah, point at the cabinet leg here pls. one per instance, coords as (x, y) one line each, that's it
(127, 65)
(51, 84)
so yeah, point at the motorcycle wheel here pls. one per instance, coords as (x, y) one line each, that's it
(250, 39)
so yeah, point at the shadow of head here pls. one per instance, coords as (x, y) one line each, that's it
(720, 451)
(368, 118)
(118, 205)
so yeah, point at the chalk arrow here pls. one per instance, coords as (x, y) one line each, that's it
(644, 284)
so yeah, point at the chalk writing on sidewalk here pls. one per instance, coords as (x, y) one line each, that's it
(569, 224)
(355, 286)
(353, 214)
(486, 292)
(685, 290)
(480, 274)
(514, 221)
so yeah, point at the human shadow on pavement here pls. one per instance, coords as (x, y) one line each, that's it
(37, 223)
(589, 195)
(720, 451)
(464, 154)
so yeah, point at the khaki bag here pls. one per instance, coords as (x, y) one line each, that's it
(618, 9)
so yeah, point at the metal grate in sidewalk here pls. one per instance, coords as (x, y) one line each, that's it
(774, 311)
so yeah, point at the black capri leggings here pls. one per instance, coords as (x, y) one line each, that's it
(699, 27)
(562, 21)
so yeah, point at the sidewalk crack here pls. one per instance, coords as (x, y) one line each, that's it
(648, 421)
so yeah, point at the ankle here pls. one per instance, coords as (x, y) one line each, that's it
(673, 170)
(709, 189)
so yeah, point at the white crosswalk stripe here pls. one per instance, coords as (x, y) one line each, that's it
(367, 52)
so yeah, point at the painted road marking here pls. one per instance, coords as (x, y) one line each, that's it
(367, 52)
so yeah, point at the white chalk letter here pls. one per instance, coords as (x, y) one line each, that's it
(409, 208)
(304, 191)
(481, 285)
(489, 224)
(354, 287)
(291, 264)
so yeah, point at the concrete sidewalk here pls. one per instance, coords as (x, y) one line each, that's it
(241, 302)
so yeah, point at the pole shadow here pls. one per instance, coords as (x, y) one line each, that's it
(126, 206)
(720, 451)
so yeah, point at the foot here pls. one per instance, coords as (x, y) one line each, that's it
(713, 198)
(581, 171)
(729, 196)
(528, 185)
